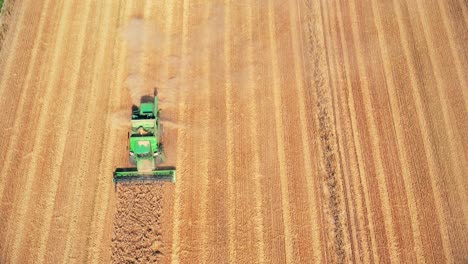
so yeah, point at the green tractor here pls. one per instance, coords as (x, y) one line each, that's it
(146, 150)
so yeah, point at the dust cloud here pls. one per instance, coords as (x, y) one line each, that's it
(140, 35)
(119, 119)
(149, 45)
(146, 42)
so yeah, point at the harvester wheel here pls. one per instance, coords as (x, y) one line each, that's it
(132, 159)
(161, 131)
(160, 157)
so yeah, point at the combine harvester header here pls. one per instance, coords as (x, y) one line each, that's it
(146, 150)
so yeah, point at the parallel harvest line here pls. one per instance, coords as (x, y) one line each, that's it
(438, 53)
(103, 189)
(296, 27)
(375, 138)
(331, 148)
(7, 66)
(390, 87)
(462, 75)
(79, 191)
(360, 180)
(289, 247)
(253, 125)
(182, 154)
(430, 155)
(445, 103)
(168, 28)
(61, 141)
(335, 79)
(169, 10)
(358, 219)
(38, 145)
(15, 83)
(204, 151)
(115, 97)
(18, 173)
(229, 130)
(464, 11)
(20, 114)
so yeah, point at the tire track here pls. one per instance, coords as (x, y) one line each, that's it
(361, 181)
(338, 78)
(358, 224)
(378, 232)
(351, 244)
(280, 136)
(326, 128)
(288, 61)
(24, 202)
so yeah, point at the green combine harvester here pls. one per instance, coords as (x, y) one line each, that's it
(146, 150)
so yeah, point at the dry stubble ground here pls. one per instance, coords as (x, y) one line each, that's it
(137, 234)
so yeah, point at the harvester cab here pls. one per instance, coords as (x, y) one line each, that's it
(145, 149)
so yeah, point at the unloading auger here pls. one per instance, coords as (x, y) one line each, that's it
(146, 150)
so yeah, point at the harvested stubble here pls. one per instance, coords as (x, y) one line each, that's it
(137, 236)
